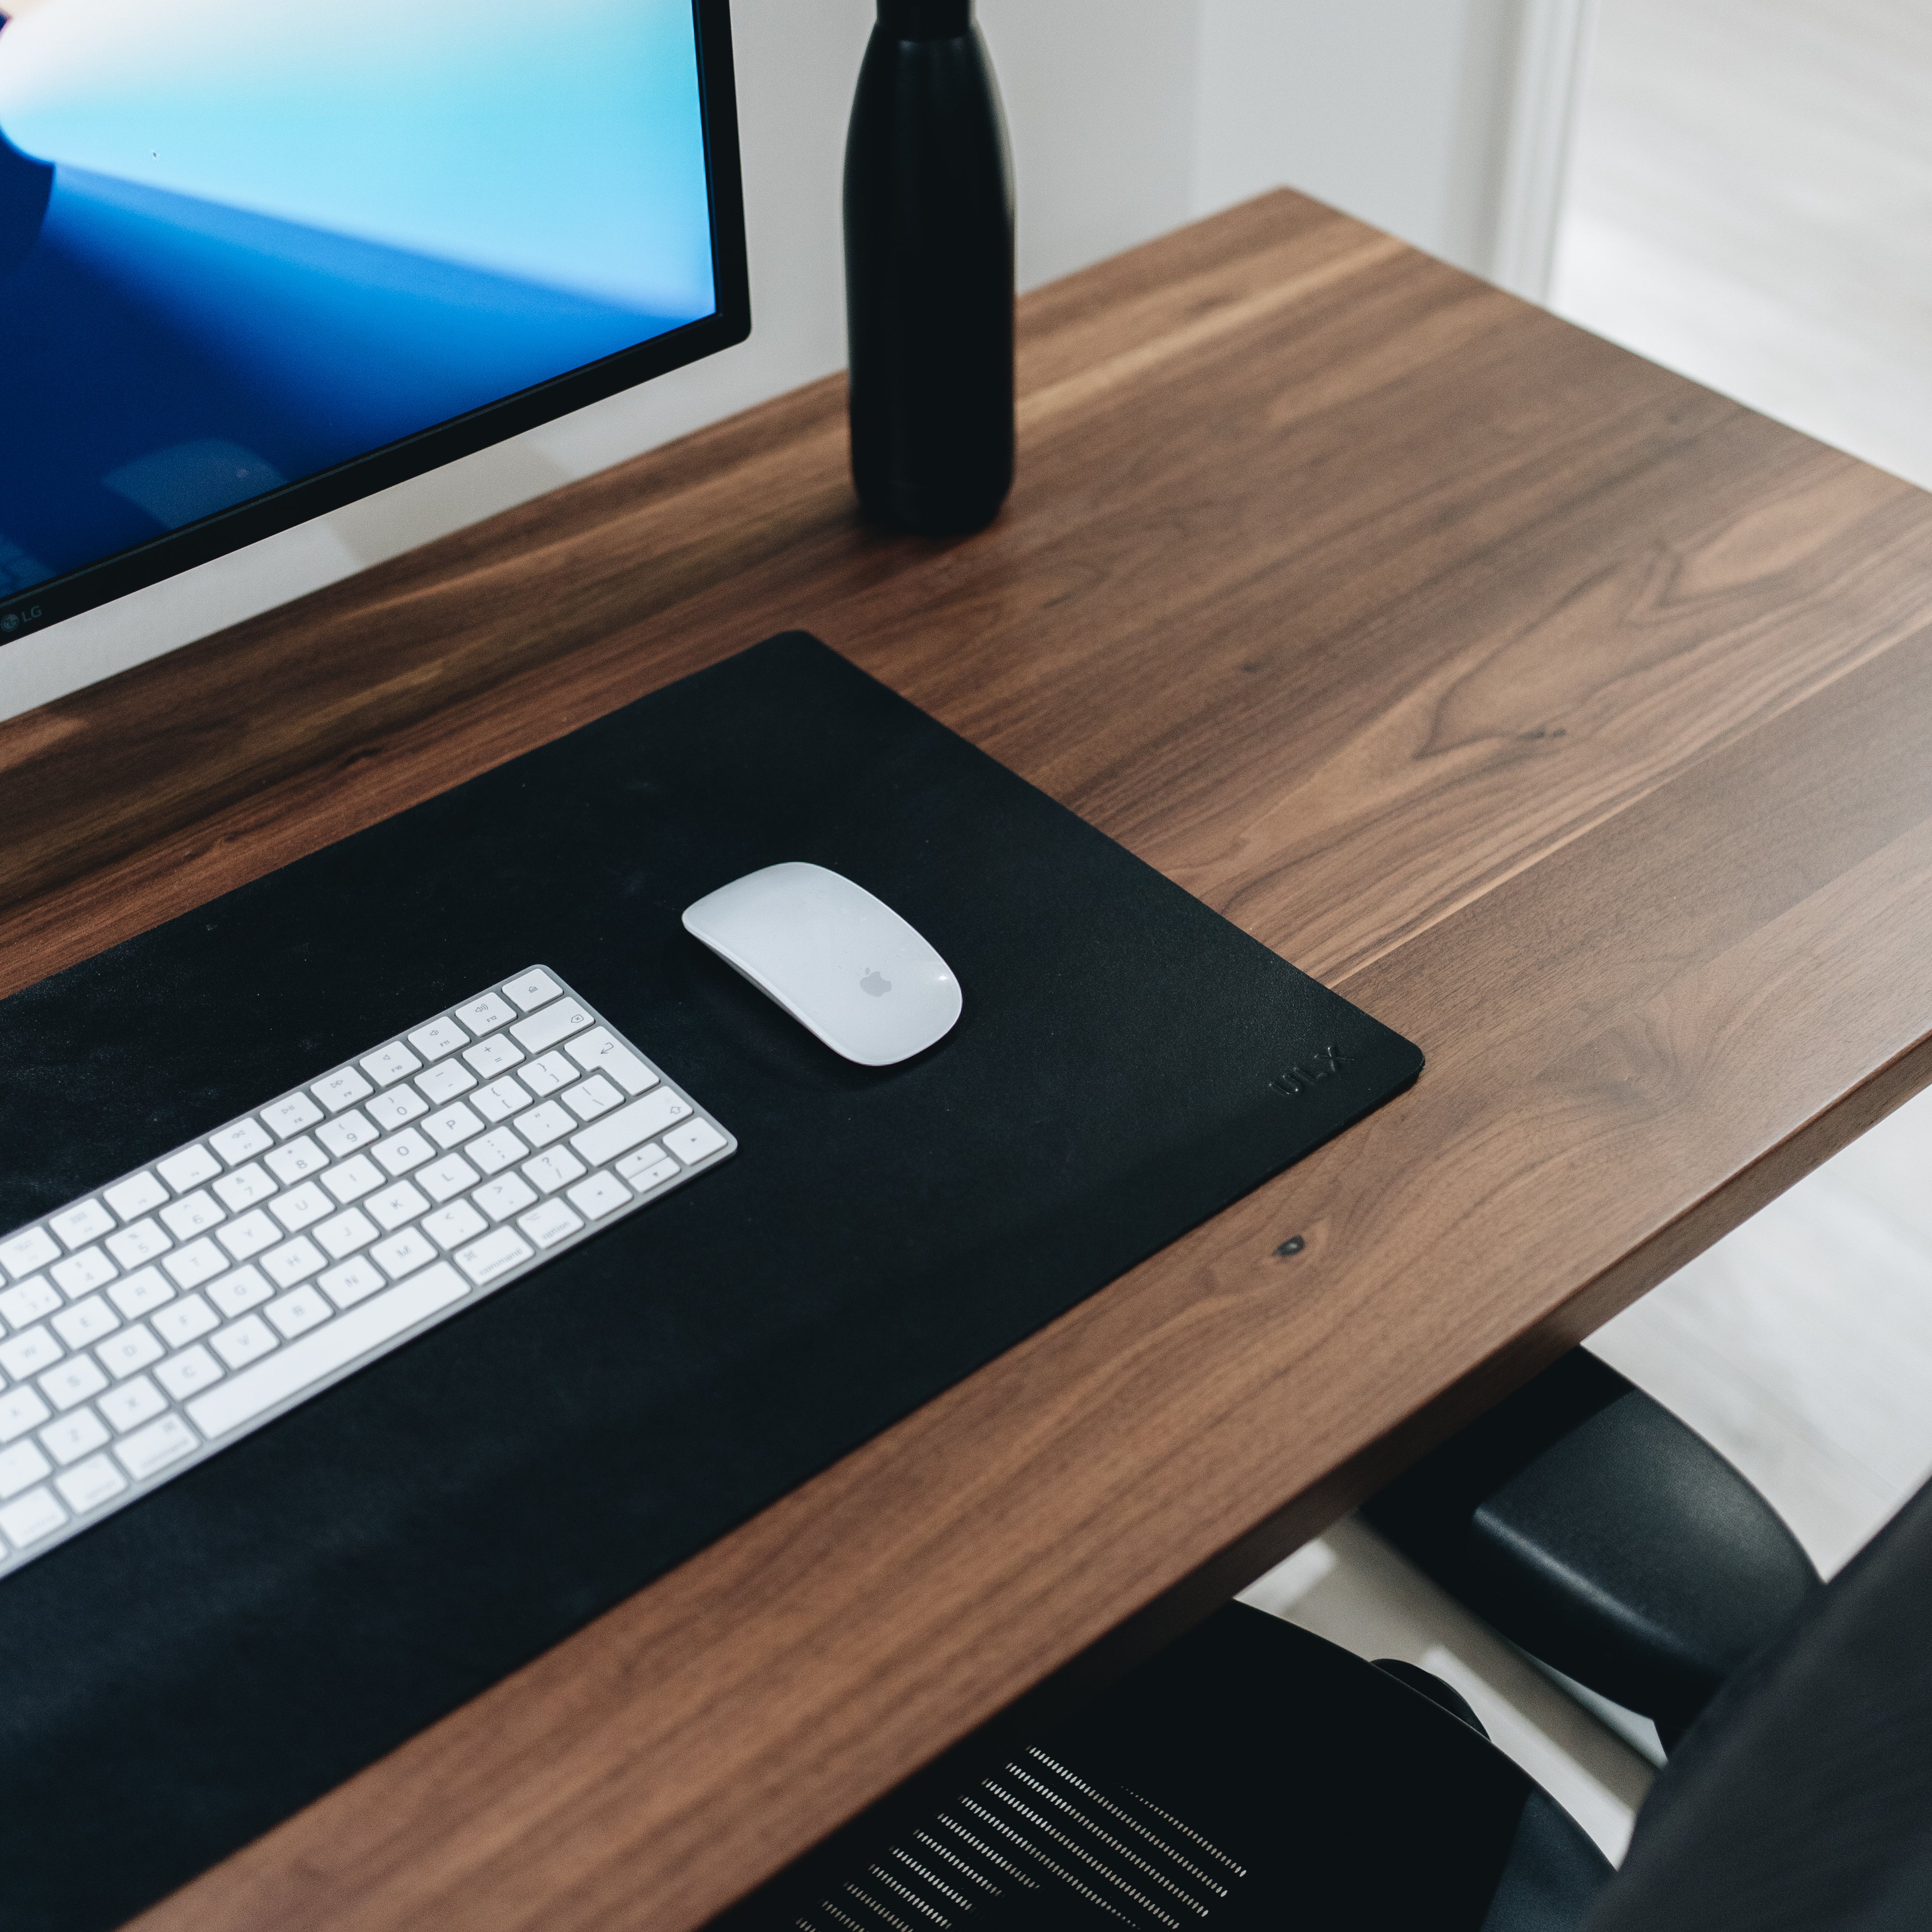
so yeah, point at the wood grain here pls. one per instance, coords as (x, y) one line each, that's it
(1567, 715)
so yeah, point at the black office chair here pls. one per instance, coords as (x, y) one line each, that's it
(1255, 1775)
(1252, 1774)
(1591, 1528)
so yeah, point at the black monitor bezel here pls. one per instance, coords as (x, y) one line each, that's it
(68, 595)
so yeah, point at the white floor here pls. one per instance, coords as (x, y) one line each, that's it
(1802, 1345)
(1751, 204)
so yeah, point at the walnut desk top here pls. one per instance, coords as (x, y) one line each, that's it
(1572, 719)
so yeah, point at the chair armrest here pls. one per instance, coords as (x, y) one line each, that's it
(1593, 1529)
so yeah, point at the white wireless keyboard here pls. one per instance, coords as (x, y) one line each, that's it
(153, 1323)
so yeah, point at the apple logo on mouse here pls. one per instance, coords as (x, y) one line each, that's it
(842, 963)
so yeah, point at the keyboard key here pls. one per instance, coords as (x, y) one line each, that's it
(550, 1224)
(495, 1151)
(130, 1406)
(331, 1347)
(189, 1168)
(601, 1052)
(201, 1260)
(545, 1030)
(550, 1074)
(21, 1467)
(501, 1099)
(395, 1205)
(496, 1254)
(401, 1152)
(93, 1483)
(542, 1125)
(21, 1410)
(591, 1098)
(193, 1369)
(141, 1243)
(619, 1132)
(452, 1226)
(353, 1281)
(245, 1186)
(354, 1178)
(155, 1447)
(26, 1252)
(126, 1354)
(184, 1320)
(344, 1135)
(73, 1380)
(296, 1314)
(500, 1199)
(486, 1015)
(250, 1235)
(301, 1207)
(77, 1226)
(695, 1141)
(438, 1038)
(81, 1273)
(443, 1081)
(557, 1169)
(390, 1063)
(404, 1253)
(193, 1214)
(236, 1143)
(294, 1261)
(295, 1162)
(247, 1341)
(494, 1056)
(449, 1176)
(133, 1197)
(452, 1127)
(27, 1354)
(649, 1167)
(36, 1515)
(345, 1233)
(290, 1116)
(74, 1436)
(396, 1107)
(601, 1195)
(342, 1088)
(28, 1302)
(140, 1292)
(85, 1321)
(235, 1294)
(533, 989)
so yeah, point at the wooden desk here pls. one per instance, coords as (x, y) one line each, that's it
(1574, 720)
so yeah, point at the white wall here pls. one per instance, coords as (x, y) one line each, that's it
(1389, 109)
(1446, 121)
(1128, 116)
(1102, 101)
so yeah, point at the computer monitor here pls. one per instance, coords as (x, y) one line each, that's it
(258, 260)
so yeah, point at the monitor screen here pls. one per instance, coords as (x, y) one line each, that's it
(259, 257)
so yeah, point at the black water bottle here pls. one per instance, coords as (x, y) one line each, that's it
(929, 274)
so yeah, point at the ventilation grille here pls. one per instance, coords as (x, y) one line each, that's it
(1035, 1827)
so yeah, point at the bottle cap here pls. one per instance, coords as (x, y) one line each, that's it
(926, 20)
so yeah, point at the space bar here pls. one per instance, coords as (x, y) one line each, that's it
(306, 1361)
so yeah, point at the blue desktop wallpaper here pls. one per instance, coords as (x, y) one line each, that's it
(242, 241)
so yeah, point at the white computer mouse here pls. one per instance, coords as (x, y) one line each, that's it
(840, 961)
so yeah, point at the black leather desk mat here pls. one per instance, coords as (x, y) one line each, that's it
(207, 1661)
